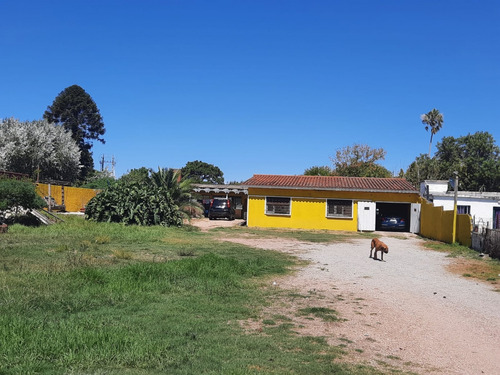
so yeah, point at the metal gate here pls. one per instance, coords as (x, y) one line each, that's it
(366, 216)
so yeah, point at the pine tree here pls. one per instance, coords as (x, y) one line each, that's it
(77, 112)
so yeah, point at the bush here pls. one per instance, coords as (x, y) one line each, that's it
(16, 195)
(98, 180)
(134, 203)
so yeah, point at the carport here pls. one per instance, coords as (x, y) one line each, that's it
(236, 193)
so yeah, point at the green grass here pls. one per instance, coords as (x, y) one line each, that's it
(81, 297)
(453, 250)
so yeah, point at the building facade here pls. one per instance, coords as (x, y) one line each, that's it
(330, 202)
(483, 207)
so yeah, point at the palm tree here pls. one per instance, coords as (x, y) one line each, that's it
(433, 120)
(179, 190)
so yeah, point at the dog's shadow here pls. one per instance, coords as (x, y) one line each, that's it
(380, 260)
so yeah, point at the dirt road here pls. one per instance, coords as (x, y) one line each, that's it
(407, 312)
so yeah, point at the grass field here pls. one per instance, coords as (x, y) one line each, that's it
(87, 298)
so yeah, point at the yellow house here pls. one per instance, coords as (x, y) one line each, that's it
(331, 202)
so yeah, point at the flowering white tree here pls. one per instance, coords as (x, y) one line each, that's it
(33, 147)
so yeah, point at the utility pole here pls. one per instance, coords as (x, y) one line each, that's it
(454, 232)
(102, 163)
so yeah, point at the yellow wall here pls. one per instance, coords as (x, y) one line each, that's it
(308, 208)
(74, 198)
(437, 224)
(464, 230)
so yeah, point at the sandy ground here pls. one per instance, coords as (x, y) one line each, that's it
(407, 312)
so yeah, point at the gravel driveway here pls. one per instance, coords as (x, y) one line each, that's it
(407, 312)
(412, 309)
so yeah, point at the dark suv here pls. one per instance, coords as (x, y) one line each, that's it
(220, 207)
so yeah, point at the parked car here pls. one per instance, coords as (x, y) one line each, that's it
(392, 222)
(220, 208)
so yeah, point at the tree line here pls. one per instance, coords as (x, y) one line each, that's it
(59, 147)
(476, 158)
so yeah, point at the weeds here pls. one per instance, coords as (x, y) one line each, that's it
(82, 297)
(186, 253)
(323, 313)
(122, 254)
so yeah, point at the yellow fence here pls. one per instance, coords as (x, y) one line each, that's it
(437, 224)
(73, 198)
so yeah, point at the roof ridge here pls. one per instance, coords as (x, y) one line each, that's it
(309, 176)
(332, 182)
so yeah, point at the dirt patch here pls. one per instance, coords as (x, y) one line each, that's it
(408, 312)
(475, 269)
(205, 224)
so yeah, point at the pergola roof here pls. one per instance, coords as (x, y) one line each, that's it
(226, 189)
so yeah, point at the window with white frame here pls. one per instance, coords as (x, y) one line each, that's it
(339, 208)
(278, 206)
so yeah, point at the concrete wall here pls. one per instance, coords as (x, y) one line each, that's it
(437, 223)
(74, 198)
(433, 187)
(308, 208)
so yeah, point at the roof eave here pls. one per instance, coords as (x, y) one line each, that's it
(333, 189)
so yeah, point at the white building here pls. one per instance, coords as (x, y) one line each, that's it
(483, 207)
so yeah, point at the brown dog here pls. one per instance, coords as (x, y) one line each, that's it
(378, 246)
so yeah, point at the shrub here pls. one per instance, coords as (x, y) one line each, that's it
(16, 195)
(134, 203)
(145, 197)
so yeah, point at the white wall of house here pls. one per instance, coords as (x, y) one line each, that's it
(433, 187)
(481, 209)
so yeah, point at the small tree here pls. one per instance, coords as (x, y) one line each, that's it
(434, 121)
(201, 172)
(77, 112)
(359, 161)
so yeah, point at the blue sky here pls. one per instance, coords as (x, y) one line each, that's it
(270, 87)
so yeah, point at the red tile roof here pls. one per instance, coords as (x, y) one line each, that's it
(399, 185)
